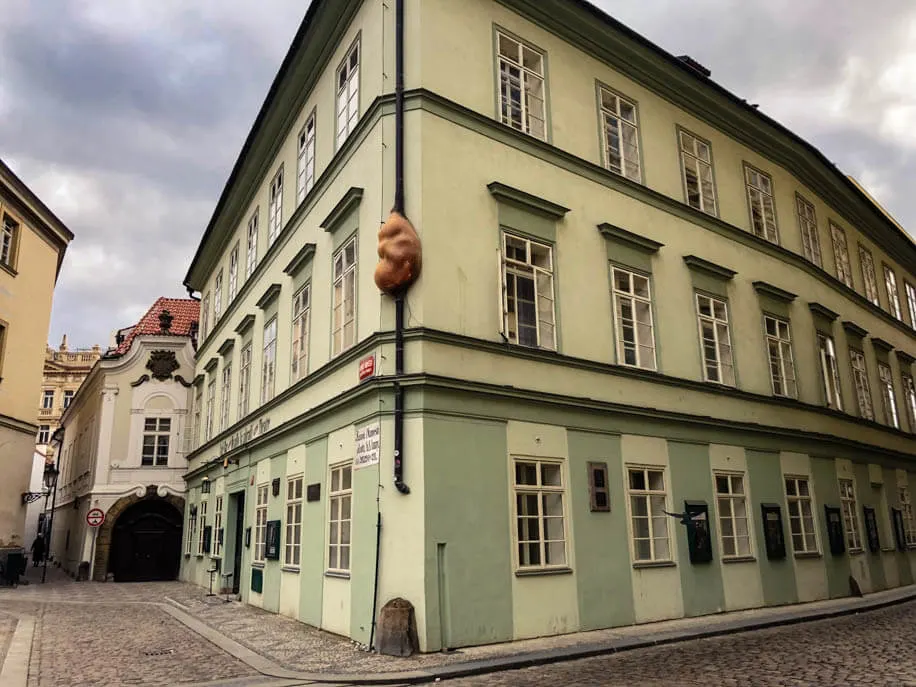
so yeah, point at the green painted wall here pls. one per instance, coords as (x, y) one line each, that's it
(362, 552)
(276, 510)
(777, 576)
(701, 583)
(311, 570)
(467, 509)
(903, 563)
(603, 570)
(827, 493)
(866, 495)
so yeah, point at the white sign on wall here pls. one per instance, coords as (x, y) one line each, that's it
(368, 446)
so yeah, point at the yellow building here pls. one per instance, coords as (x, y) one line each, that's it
(32, 246)
(64, 371)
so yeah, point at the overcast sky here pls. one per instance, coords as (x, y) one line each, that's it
(126, 116)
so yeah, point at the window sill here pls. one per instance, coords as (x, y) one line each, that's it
(290, 569)
(911, 547)
(739, 559)
(888, 549)
(216, 556)
(540, 572)
(8, 268)
(199, 555)
(807, 554)
(339, 574)
(856, 552)
(258, 564)
(654, 564)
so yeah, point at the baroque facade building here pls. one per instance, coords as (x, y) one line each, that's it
(33, 242)
(659, 362)
(64, 371)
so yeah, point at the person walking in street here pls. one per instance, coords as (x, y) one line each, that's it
(38, 551)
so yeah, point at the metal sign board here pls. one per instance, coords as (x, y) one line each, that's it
(95, 517)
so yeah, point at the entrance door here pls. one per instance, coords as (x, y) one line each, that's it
(146, 543)
(239, 498)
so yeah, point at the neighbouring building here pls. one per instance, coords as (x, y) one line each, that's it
(640, 297)
(64, 371)
(33, 242)
(121, 450)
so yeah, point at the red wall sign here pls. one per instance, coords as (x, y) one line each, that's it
(367, 367)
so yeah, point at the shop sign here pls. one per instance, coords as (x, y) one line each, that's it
(244, 435)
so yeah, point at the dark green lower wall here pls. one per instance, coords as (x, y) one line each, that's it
(827, 493)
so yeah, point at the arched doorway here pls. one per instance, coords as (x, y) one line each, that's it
(146, 542)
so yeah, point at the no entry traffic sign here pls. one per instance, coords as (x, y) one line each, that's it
(95, 517)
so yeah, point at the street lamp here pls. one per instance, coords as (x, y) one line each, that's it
(51, 473)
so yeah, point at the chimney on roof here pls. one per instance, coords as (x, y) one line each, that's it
(63, 344)
(694, 65)
(165, 321)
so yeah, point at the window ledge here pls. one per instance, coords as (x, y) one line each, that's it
(856, 552)
(8, 268)
(290, 569)
(540, 572)
(216, 556)
(888, 549)
(739, 559)
(807, 554)
(654, 564)
(339, 574)
(258, 564)
(199, 555)
(911, 547)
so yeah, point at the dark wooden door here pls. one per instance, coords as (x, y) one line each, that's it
(146, 545)
(239, 530)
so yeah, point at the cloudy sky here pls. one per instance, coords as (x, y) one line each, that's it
(126, 115)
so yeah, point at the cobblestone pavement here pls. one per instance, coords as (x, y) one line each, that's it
(7, 627)
(876, 648)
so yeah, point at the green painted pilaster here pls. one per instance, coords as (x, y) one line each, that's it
(767, 486)
(362, 551)
(827, 493)
(701, 583)
(902, 557)
(276, 510)
(311, 570)
(603, 569)
(866, 495)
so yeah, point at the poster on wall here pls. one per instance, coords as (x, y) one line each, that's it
(368, 446)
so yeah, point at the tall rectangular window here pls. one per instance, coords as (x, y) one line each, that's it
(910, 301)
(47, 399)
(305, 168)
(734, 525)
(522, 93)
(760, 201)
(251, 244)
(191, 532)
(233, 273)
(909, 522)
(801, 515)
(344, 321)
(527, 292)
(632, 299)
(888, 397)
(44, 434)
(869, 278)
(244, 379)
(696, 165)
(217, 297)
(293, 521)
(156, 436)
(909, 398)
(202, 515)
(300, 348)
(807, 224)
(218, 528)
(893, 297)
(782, 364)
(841, 254)
(621, 136)
(648, 501)
(348, 94)
(860, 381)
(204, 316)
(275, 207)
(225, 396)
(196, 417)
(539, 513)
(260, 523)
(269, 362)
(850, 515)
(9, 232)
(211, 409)
(68, 397)
(340, 502)
(830, 373)
(712, 316)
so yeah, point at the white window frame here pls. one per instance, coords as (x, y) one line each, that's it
(893, 295)
(909, 400)
(216, 544)
(233, 273)
(849, 509)
(514, 269)
(906, 508)
(68, 398)
(44, 434)
(300, 339)
(869, 276)
(161, 430)
(225, 395)
(807, 224)
(619, 133)
(910, 291)
(211, 410)
(632, 299)
(205, 316)
(8, 235)
(729, 504)
(860, 383)
(292, 546)
(251, 244)
(716, 348)
(656, 502)
(696, 159)
(47, 399)
(830, 371)
(275, 207)
(841, 254)
(888, 396)
(305, 161)
(196, 417)
(202, 525)
(340, 504)
(347, 93)
(260, 523)
(244, 380)
(191, 532)
(217, 297)
(269, 361)
(516, 75)
(783, 378)
(343, 307)
(761, 204)
(802, 524)
(543, 548)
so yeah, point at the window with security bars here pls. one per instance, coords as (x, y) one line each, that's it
(233, 273)
(910, 301)
(801, 515)
(269, 361)
(712, 316)
(539, 513)
(619, 128)
(156, 436)
(909, 521)
(305, 170)
(850, 515)
(527, 297)
(696, 166)
(217, 297)
(841, 254)
(244, 379)
(860, 382)
(340, 503)
(202, 515)
(522, 92)
(300, 347)
(807, 224)
(632, 301)
(343, 332)
(260, 522)
(779, 350)
(211, 410)
(275, 207)
(218, 528)
(9, 232)
(225, 396)
(760, 200)
(830, 373)
(293, 544)
(648, 500)
(869, 277)
(888, 397)
(348, 94)
(734, 524)
(251, 245)
(909, 401)
(893, 297)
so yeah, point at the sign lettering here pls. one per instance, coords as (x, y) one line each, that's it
(244, 435)
(368, 446)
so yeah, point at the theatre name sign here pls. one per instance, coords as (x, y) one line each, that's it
(244, 435)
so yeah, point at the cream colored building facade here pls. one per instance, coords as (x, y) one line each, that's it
(33, 242)
(64, 371)
(639, 295)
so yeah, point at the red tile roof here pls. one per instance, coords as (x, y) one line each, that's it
(184, 311)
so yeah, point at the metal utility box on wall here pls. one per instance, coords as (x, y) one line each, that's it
(773, 534)
(699, 541)
(272, 545)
